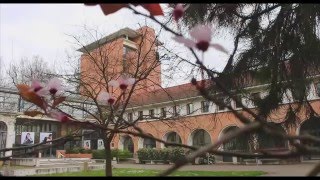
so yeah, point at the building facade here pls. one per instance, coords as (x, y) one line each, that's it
(176, 114)
(180, 114)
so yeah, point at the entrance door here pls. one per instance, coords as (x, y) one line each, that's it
(3, 137)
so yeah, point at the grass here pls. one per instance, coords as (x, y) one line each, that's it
(149, 172)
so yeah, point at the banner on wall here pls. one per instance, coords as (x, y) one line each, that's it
(27, 138)
(100, 144)
(86, 144)
(45, 136)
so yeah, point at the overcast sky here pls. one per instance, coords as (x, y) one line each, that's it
(42, 29)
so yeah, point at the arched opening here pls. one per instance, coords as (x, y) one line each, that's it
(311, 127)
(172, 137)
(268, 142)
(200, 137)
(238, 144)
(3, 137)
(149, 143)
(128, 144)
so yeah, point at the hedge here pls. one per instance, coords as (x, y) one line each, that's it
(78, 150)
(165, 155)
(120, 154)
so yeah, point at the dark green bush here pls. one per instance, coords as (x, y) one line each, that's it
(77, 150)
(81, 150)
(166, 154)
(100, 154)
(124, 154)
(143, 154)
(114, 152)
(176, 153)
(72, 150)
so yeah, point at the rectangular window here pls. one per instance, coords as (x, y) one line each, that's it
(205, 106)
(125, 53)
(130, 117)
(151, 113)
(163, 112)
(189, 108)
(140, 114)
(254, 98)
(317, 86)
(175, 110)
(239, 98)
(220, 100)
(226, 101)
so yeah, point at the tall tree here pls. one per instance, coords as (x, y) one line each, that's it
(280, 41)
(28, 69)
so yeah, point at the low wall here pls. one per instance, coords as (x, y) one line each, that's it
(53, 170)
(24, 161)
(63, 154)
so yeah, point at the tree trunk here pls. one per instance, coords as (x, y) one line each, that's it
(108, 169)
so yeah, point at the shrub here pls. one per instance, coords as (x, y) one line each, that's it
(72, 150)
(114, 152)
(77, 150)
(143, 154)
(100, 154)
(176, 153)
(81, 150)
(124, 154)
(166, 154)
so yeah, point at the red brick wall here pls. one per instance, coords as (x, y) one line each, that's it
(214, 124)
(110, 63)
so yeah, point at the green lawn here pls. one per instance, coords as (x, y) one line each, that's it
(148, 172)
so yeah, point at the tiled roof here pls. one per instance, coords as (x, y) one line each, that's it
(162, 95)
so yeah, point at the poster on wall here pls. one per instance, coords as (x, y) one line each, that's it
(86, 144)
(27, 138)
(100, 144)
(45, 137)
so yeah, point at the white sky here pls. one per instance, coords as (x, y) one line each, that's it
(41, 29)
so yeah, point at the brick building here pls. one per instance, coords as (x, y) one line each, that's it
(176, 114)
(182, 115)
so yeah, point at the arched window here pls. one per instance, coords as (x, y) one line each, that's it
(266, 141)
(173, 137)
(3, 137)
(149, 143)
(128, 144)
(311, 127)
(201, 138)
(237, 144)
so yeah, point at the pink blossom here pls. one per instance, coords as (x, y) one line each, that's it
(37, 87)
(202, 37)
(178, 11)
(123, 82)
(62, 117)
(106, 97)
(54, 86)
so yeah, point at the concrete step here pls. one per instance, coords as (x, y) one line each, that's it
(63, 163)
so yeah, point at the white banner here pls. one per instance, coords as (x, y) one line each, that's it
(100, 144)
(27, 138)
(86, 144)
(45, 137)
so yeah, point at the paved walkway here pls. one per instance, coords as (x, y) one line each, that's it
(300, 169)
(272, 170)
